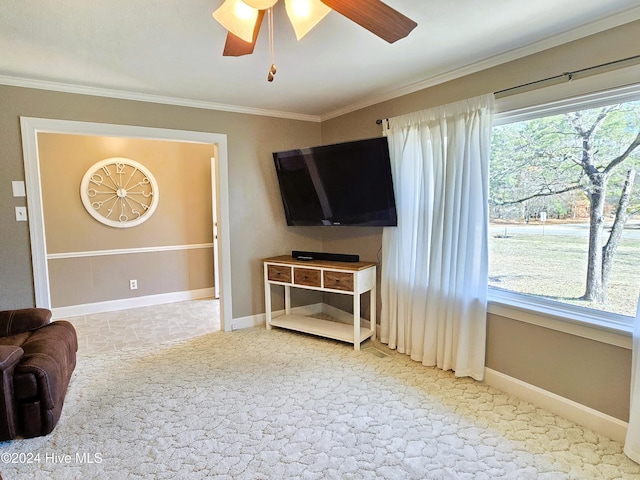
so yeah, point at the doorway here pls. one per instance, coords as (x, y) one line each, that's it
(31, 127)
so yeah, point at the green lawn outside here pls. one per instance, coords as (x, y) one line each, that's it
(554, 266)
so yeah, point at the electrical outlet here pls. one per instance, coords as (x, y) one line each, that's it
(133, 284)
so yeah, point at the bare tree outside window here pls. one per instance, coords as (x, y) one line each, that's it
(564, 203)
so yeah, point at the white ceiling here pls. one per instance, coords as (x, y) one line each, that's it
(170, 51)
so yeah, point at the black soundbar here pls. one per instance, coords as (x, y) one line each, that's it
(333, 257)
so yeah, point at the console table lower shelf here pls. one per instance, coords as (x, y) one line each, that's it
(323, 328)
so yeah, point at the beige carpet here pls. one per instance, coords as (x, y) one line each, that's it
(255, 404)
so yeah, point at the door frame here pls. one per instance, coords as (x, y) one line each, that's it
(31, 126)
(214, 211)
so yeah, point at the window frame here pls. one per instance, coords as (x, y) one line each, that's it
(613, 87)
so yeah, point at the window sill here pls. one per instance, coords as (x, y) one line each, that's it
(605, 327)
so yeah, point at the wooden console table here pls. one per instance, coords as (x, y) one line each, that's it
(347, 278)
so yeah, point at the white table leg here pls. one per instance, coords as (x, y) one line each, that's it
(267, 299)
(356, 321)
(287, 299)
(373, 310)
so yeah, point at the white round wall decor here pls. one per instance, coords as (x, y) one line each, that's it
(119, 192)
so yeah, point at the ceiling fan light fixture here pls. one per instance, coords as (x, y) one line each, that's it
(305, 14)
(238, 18)
(260, 4)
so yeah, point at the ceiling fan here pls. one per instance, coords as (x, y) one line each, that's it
(243, 18)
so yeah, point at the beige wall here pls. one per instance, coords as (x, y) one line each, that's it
(183, 217)
(182, 171)
(589, 372)
(594, 374)
(257, 225)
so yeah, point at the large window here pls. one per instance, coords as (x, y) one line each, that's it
(565, 208)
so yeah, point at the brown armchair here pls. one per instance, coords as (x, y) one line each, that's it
(37, 358)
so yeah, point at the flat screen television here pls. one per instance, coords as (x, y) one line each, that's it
(338, 185)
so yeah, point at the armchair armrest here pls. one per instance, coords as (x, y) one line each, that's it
(23, 320)
(10, 355)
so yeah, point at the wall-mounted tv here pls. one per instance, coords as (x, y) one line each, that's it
(338, 185)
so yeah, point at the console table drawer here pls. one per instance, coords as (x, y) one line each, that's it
(277, 273)
(306, 276)
(338, 280)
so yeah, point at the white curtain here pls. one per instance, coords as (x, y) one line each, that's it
(434, 263)
(632, 442)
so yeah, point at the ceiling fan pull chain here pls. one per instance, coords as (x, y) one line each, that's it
(272, 69)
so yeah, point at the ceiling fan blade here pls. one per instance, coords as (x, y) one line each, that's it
(376, 16)
(234, 46)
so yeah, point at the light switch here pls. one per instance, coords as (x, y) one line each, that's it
(18, 189)
(21, 214)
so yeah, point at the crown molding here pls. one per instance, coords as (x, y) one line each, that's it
(592, 28)
(606, 23)
(145, 97)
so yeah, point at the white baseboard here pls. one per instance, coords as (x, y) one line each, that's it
(123, 304)
(599, 422)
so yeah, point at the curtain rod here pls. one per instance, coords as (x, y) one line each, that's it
(568, 75)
